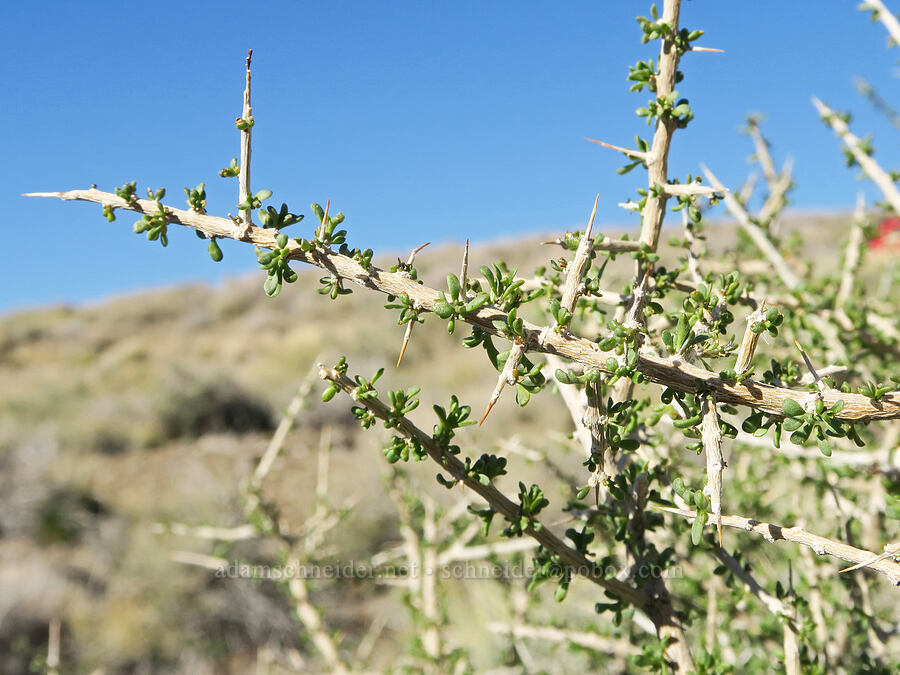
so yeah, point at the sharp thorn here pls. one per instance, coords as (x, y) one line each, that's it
(406, 336)
(632, 154)
(415, 251)
(489, 407)
(593, 213)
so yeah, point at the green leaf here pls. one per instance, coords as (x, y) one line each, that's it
(609, 343)
(685, 423)
(800, 437)
(750, 424)
(561, 591)
(453, 285)
(697, 528)
(476, 303)
(564, 377)
(792, 424)
(214, 251)
(443, 309)
(791, 408)
(272, 286)
(522, 395)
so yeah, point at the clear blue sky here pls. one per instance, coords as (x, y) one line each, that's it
(419, 120)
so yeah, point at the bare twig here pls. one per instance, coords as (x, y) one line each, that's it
(369, 640)
(550, 634)
(890, 551)
(821, 545)
(576, 403)
(309, 616)
(658, 159)
(412, 322)
(276, 443)
(817, 380)
(209, 562)
(852, 253)
(791, 645)
(692, 189)
(431, 640)
(756, 234)
(415, 252)
(244, 174)
(692, 259)
(880, 104)
(316, 526)
(239, 533)
(746, 192)
(631, 154)
(507, 375)
(458, 553)
(762, 241)
(871, 168)
(715, 463)
(777, 198)
(748, 344)
(53, 646)
(772, 603)
(579, 264)
(885, 16)
(284, 426)
(464, 272)
(406, 335)
(604, 244)
(761, 145)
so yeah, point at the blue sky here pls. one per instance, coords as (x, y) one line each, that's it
(419, 120)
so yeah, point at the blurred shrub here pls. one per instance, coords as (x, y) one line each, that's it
(195, 408)
(65, 513)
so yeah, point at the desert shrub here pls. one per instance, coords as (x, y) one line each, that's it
(194, 407)
(671, 545)
(65, 513)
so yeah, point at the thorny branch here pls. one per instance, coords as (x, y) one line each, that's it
(821, 545)
(871, 168)
(489, 493)
(671, 372)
